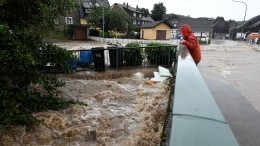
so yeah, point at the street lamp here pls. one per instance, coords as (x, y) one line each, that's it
(244, 15)
(103, 22)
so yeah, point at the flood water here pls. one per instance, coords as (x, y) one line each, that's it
(120, 112)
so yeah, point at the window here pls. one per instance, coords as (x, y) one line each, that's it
(134, 14)
(140, 15)
(138, 22)
(68, 20)
(88, 10)
(134, 21)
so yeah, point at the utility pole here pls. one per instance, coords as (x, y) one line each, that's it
(103, 26)
(244, 15)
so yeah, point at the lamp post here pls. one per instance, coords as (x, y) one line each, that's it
(103, 23)
(244, 15)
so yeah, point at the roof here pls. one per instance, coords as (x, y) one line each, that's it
(127, 6)
(147, 19)
(176, 16)
(154, 24)
(89, 3)
(198, 25)
(255, 24)
(250, 21)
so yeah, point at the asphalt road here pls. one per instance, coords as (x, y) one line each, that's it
(232, 72)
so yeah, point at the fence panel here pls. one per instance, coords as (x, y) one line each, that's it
(113, 57)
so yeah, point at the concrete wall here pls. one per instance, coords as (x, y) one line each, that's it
(125, 41)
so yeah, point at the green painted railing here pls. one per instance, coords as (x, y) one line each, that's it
(196, 118)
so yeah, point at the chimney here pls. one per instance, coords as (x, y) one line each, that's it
(136, 7)
(126, 5)
(123, 3)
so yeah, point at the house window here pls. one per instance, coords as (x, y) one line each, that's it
(134, 14)
(68, 20)
(88, 10)
(140, 15)
(134, 21)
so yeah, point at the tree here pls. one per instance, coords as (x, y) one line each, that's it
(25, 87)
(114, 20)
(145, 12)
(218, 19)
(158, 11)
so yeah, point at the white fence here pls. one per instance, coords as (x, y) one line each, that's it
(123, 42)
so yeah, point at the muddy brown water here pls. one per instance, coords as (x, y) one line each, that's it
(124, 111)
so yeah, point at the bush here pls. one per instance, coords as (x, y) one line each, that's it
(133, 56)
(68, 31)
(25, 87)
(106, 34)
(93, 32)
(160, 54)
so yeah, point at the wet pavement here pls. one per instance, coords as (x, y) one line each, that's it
(231, 71)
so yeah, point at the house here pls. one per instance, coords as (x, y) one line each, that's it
(76, 19)
(174, 19)
(250, 26)
(87, 5)
(78, 16)
(201, 27)
(232, 24)
(220, 28)
(135, 14)
(157, 30)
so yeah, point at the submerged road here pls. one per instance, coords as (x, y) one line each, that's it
(232, 72)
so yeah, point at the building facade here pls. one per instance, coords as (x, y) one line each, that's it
(135, 14)
(157, 30)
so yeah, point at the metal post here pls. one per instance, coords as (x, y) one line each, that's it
(103, 25)
(244, 15)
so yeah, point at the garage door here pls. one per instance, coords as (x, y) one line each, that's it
(80, 33)
(161, 35)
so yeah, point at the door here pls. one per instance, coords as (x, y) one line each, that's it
(80, 33)
(161, 35)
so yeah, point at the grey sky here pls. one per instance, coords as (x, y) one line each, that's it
(202, 8)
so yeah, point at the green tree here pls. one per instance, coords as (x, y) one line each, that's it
(114, 20)
(145, 12)
(158, 11)
(25, 87)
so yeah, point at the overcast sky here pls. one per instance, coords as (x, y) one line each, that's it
(202, 8)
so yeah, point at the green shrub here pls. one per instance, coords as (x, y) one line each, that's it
(93, 32)
(106, 34)
(159, 53)
(133, 56)
(25, 87)
(68, 31)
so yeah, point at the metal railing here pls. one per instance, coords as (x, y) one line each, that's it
(100, 58)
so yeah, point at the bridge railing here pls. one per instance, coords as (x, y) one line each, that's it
(196, 119)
